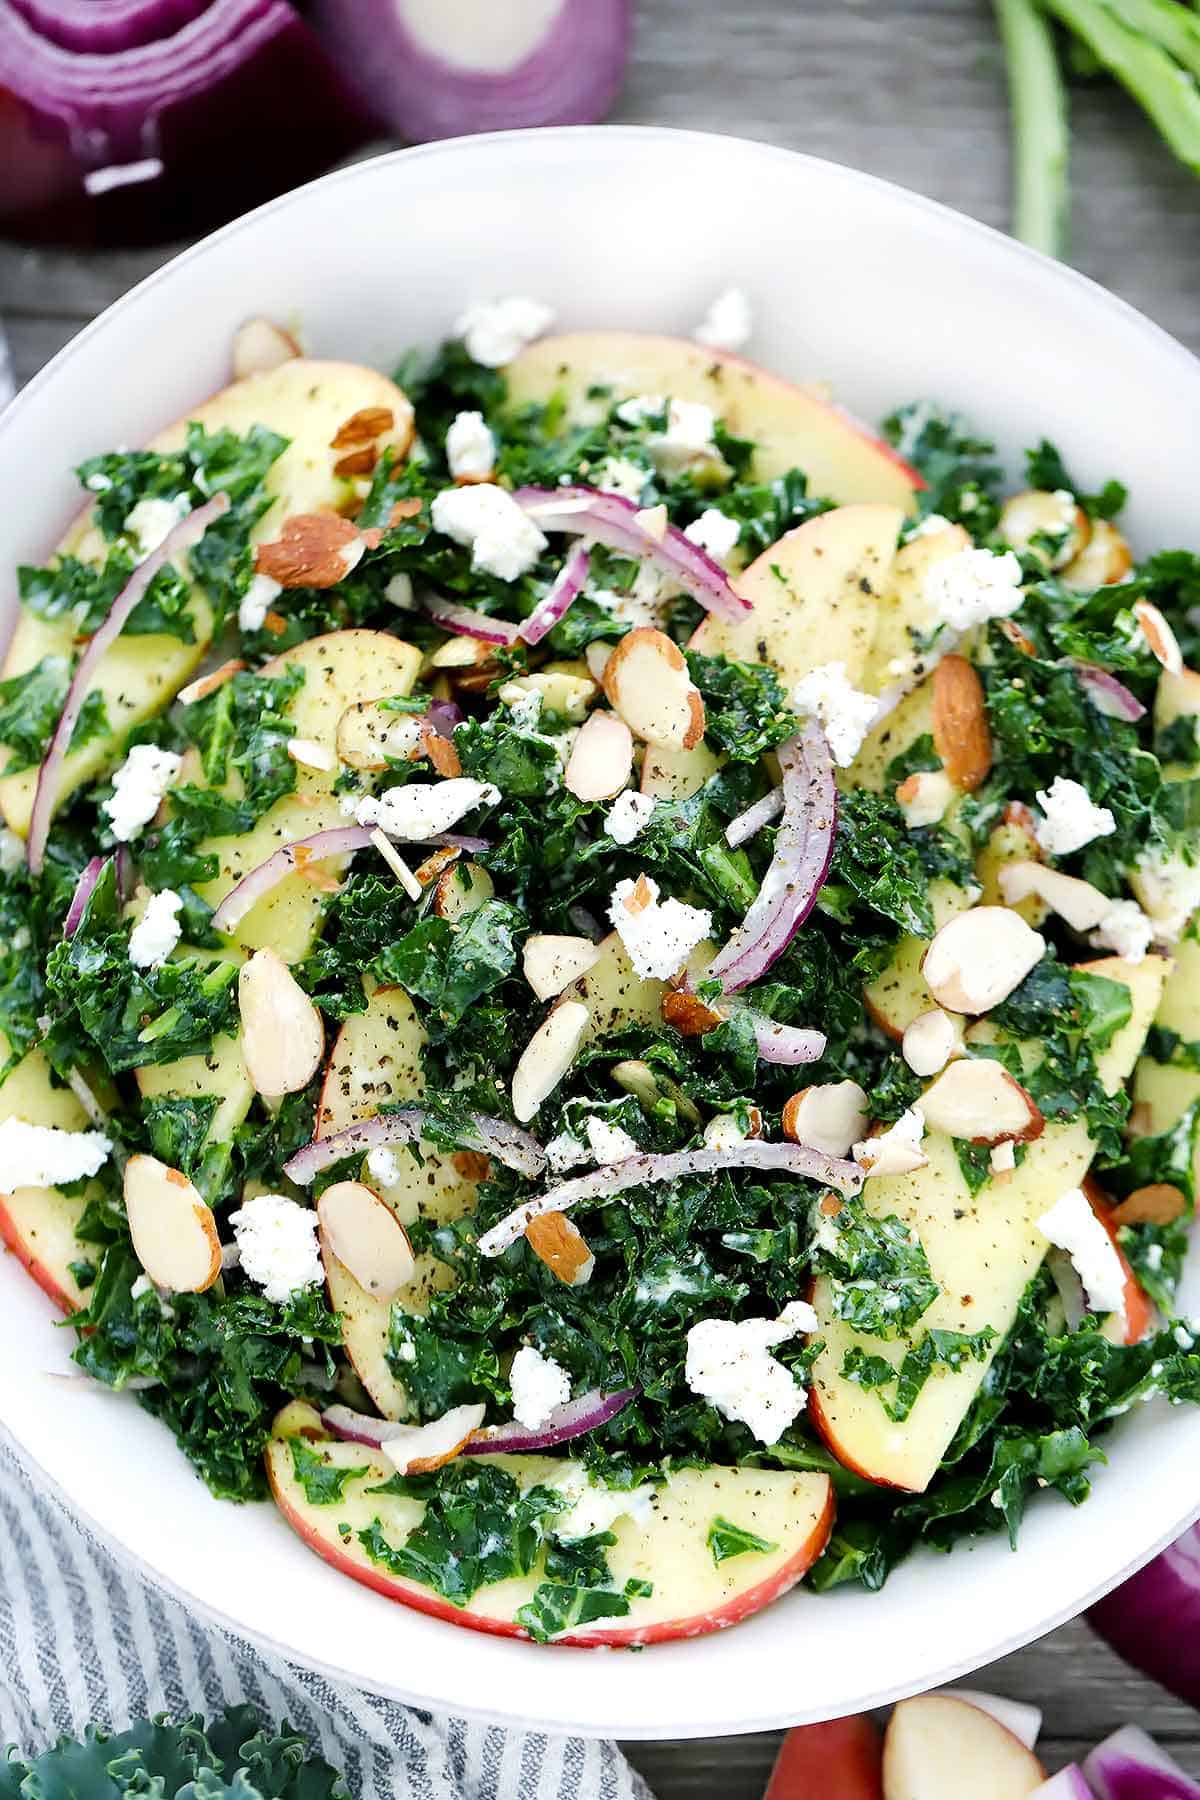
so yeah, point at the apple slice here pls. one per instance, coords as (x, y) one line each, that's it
(937, 1747)
(905, 613)
(551, 962)
(841, 1759)
(691, 1593)
(615, 995)
(1130, 1325)
(39, 1224)
(791, 427)
(677, 774)
(1017, 1716)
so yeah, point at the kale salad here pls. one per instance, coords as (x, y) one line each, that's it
(598, 989)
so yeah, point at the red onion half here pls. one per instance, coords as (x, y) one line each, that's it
(507, 1143)
(1108, 695)
(188, 532)
(1153, 1619)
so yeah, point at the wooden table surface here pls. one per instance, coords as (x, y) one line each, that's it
(912, 90)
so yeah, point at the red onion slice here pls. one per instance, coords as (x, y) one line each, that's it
(612, 520)
(355, 1427)
(464, 621)
(748, 824)
(188, 532)
(507, 1143)
(568, 585)
(787, 1043)
(803, 853)
(1108, 695)
(89, 876)
(1129, 1765)
(339, 840)
(647, 1169)
(572, 1420)
(443, 716)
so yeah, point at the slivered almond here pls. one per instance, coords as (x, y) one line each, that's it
(259, 346)
(172, 1226)
(1040, 513)
(1159, 1203)
(434, 864)
(689, 1015)
(314, 550)
(978, 958)
(283, 1038)
(933, 1038)
(828, 1117)
(647, 682)
(979, 1100)
(460, 890)
(397, 865)
(547, 1057)
(1104, 559)
(208, 684)
(552, 963)
(363, 426)
(1158, 634)
(275, 623)
(356, 462)
(367, 1237)
(960, 728)
(1078, 902)
(640, 898)
(558, 1242)
(441, 752)
(1020, 640)
(601, 759)
(472, 1165)
(460, 652)
(420, 1449)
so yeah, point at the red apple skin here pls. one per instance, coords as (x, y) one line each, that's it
(13, 1241)
(839, 1760)
(741, 1607)
(825, 1432)
(1139, 1308)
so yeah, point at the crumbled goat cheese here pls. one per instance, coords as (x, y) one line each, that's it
(620, 475)
(470, 448)
(1169, 889)
(403, 738)
(594, 1508)
(421, 809)
(1072, 1226)
(972, 586)
(723, 1133)
(487, 521)
(930, 525)
(157, 931)
(151, 522)
(494, 331)
(277, 1242)
(924, 797)
(688, 434)
(43, 1156)
(730, 1365)
(538, 1384)
(715, 532)
(383, 1166)
(728, 324)
(138, 787)
(896, 1151)
(257, 602)
(627, 815)
(1125, 929)
(1003, 1158)
(399, 591)
(845, 715)
(564, 1151)
(1152, 1256)
(609, 1143)
(12, 851)
(1071, 820)
(658, 938)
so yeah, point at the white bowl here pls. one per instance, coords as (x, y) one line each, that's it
(890, 298)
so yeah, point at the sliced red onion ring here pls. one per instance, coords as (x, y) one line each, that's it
(507, 1143)
(568, 585)
(645, 1170)
(464, 621)
(88, 877)
(612, 520)
(339, 840)
(355, 1427)
(1108, 695)
(748, 824)
(803, 853)
(787, 1043)
(188, 532)
(572, 1420)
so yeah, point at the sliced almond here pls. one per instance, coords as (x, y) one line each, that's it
(547, 1057)
(1078, 902)
(363, 427)
(1040, 513)
(420, 1449)
(311, 755)
(601, 759)
(979, 1100)
(978, 958)
(558, 1242)
(1105, 558)
(553, 963)
(367, 736)
(1020, 640)
(829, 1117)
(895, 1151)
(460, 890)
(472, 1165)
(436, 863)
(283, 1037)
(367, 1237)
(1159, 1203)
(260, 346)
(356, 462)
(172, 1226)
(929, 1043)
(441, 752)
(208, 684)
(461, 653)
(688, 1014)
(924, 796)
(315, 550)
(647, 681)
(961, 735)
(1158, 634)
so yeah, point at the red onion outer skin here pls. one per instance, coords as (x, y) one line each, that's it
(1153, 1619)
(571, 78)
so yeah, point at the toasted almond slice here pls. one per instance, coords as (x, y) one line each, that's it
(367, 1237)
(1020, 640)
(978, 958)
(419, 1449)
(979, 1100)
(647, 681)
(1105, 558)
(459, 652)
(961, 735)
(172, 1226)
(472, 1165)
(436, 863)
(314, 550)
(1078, 902)
(1042, 514)
(1158, 634)
(311, 755)
(547, 1057)
(1159, 1203)
(208, 684)
(283, 1037)
(689, 1015)
(894, 1151)
(440, 752)
(367, 736)
(931, 1040)
(259, 346)
(363, 427)
(601, 759)
(356, 462)
(924, 796)
(558, 1242)
(553, 963)
(829, 1117)
(462, 889)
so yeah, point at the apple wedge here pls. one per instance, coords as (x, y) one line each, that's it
(792, 427)
(1162, 1093)
(899, 993)
(691, 1593)
(905, 613)
(982, 1251)
(38, 1224)
(677, 774)
(841, 1759)
(615, 995)
(304, 401)
(937, 1747)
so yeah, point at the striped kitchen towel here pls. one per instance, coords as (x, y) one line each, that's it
(83, 1639)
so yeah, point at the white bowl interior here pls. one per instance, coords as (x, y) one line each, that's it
(889, 298)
